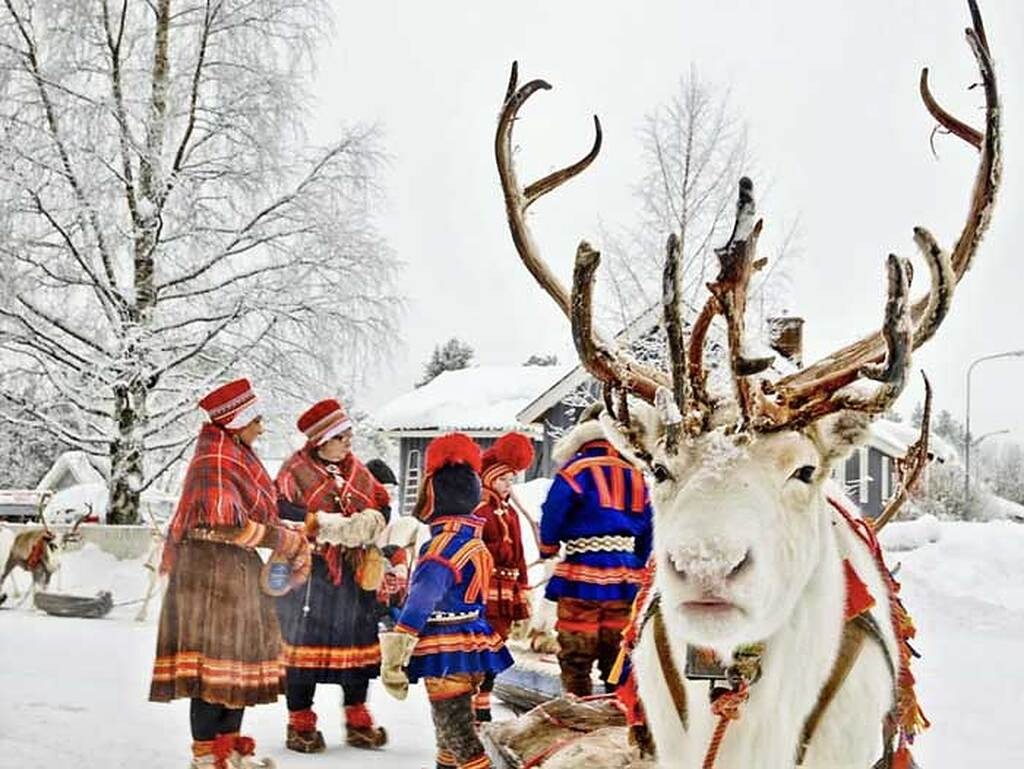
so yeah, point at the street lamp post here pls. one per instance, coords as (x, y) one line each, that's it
(967, 415)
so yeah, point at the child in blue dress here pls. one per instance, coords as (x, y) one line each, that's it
(442, 634)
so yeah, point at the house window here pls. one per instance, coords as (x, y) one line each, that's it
(864, 477)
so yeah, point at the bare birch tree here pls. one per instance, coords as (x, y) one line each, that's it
(163, 224)
(694, 150)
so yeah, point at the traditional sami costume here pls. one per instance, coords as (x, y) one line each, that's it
(218, 641)
(330, 628)
(598, 508)
(508, 599)
(442, 634)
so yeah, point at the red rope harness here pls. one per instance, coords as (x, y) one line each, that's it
(727, 707)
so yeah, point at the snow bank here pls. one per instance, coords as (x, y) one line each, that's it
(996, 508)
(910, 535)
(976, 561)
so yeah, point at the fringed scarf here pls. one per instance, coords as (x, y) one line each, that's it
(345, 487)
(225, 485)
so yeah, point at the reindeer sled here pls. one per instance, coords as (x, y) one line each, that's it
(761, 564)
(63, 605)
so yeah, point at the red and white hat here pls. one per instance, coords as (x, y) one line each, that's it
(323, 421)
(511, 453)
(232, 405)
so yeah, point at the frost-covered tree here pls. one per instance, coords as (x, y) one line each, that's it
(1007, 472)
(694, 150)
(164, 225)
(450, 356)
(26, 453)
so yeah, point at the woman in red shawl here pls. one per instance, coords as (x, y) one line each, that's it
(508, 597)
(330, 627)
(218, 641)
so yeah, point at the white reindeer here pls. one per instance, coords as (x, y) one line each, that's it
(753, 555)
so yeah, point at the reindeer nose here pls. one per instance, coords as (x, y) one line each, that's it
(711, 564)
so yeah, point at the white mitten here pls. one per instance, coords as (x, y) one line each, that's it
(357, 530)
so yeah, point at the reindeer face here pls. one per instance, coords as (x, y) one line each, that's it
(740, 525)
(737, 528)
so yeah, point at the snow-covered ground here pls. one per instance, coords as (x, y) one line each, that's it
(73, 692)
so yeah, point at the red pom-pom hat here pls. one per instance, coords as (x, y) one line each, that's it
(452, 449)
(323, 421)
(511, 453)
(232, 405)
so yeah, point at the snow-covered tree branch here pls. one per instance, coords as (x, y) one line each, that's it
(164, 223)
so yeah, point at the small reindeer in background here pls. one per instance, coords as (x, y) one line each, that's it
(37, 551)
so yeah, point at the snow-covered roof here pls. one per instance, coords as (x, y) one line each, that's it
(575, 375)
(484, 398)
(895, 438)
(76, 465)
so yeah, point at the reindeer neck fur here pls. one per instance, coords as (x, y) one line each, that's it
(797, 661)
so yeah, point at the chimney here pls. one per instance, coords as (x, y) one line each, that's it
(786, 337)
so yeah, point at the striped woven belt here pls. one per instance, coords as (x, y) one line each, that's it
(512, 574)
(606, 544)
(451, 617)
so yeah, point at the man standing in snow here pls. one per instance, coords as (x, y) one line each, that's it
(218, 641)
(599, 508)
(330, 629)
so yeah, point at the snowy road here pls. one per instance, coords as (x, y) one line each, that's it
(73, 692)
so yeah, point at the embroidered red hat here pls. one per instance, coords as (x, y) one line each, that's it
(323, 421)
(511, 453)
(232, 405)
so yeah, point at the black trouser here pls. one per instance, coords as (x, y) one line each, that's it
(210, 719)
(300, 696)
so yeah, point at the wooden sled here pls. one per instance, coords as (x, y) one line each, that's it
(562, 733)
(60, 605)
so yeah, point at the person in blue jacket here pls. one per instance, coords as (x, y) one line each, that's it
(442, 634)
(598, 513)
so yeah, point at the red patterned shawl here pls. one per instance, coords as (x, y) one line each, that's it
(345, 487)
(225, 485)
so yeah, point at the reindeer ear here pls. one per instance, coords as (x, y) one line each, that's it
(836, 435)
(646, 429)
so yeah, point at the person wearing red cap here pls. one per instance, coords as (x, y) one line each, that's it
(508, 597)
(442, 634)
(330, 629)
(218, 642)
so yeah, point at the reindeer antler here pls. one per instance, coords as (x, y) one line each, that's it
(808, 394)
(916, 459)
(40, 507)
(800, 398)
(604, 361)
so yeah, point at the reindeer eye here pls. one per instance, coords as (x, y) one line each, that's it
(804, 474)
(661, 473)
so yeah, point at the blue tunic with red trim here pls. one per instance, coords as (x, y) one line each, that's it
(599, 507)
(445, 607)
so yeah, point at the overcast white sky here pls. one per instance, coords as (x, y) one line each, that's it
(829, 92)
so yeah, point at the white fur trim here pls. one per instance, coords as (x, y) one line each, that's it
(243, 417)
(575, 438)
(335, 430)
